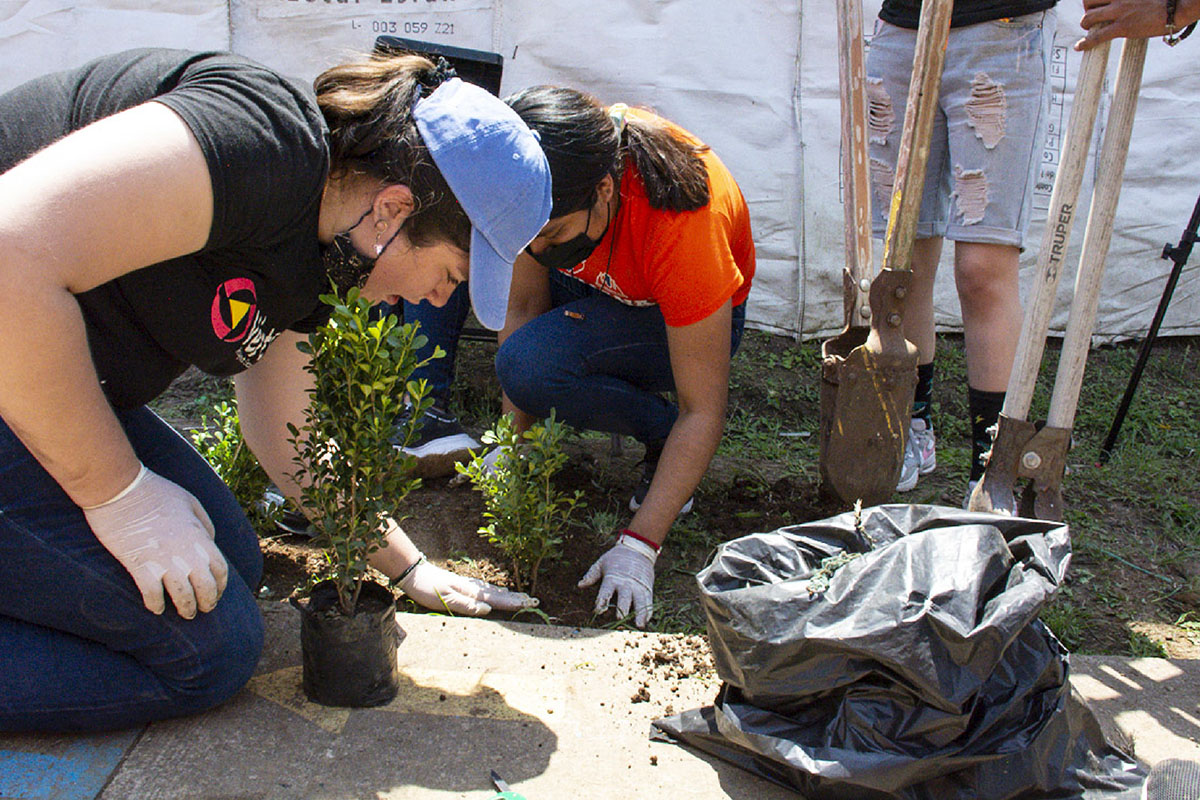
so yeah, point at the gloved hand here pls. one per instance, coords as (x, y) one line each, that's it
(490, 459)
(628, 571)
(440, 590)
(161, 534)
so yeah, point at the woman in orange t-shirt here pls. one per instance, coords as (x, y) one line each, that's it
(635, 287)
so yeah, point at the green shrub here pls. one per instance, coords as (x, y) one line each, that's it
(220, 442)
(353, 477)
(525, 514)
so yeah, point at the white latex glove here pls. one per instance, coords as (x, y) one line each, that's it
(440, 590)
(628, 571)
(161, 534)
(490, 458)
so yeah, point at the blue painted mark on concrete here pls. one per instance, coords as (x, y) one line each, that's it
(51, 767)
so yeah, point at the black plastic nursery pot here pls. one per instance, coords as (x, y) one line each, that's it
(350, 661)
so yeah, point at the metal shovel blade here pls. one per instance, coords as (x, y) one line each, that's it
(996, 491)
(1024, 453)
(834, 353)
(866, 400)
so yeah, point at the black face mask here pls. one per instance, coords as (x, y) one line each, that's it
(569, 253)
(346, 267)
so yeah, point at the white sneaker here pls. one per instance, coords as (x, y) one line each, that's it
(440, 444)
(920, 457)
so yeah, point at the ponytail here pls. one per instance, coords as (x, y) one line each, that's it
(584, 142)
(670, 165)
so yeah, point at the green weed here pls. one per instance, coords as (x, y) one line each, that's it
(219, 440)
(1142, 646)
(602, 523)
(1067, 620)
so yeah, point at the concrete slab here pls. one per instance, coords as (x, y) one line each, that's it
(558, 712)
(1150, 707)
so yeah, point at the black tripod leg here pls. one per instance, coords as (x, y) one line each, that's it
(1179, 255)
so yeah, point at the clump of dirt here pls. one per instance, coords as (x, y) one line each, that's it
(288, 561)
(680, 657)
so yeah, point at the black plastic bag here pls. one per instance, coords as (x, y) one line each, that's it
(897, 654)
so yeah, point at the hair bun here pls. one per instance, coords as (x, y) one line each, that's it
(443, 71)
(428, 81)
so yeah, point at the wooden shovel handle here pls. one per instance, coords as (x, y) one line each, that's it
(1056, 236)
(928, 57)
(856, 181)
(1110, 172)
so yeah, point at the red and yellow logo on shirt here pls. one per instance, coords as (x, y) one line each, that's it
(233, 309)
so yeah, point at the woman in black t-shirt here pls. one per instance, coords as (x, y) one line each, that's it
(160, 209)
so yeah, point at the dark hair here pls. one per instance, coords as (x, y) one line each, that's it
(582, 145)
(368, 107)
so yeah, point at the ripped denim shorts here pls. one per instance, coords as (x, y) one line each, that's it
(987, 134)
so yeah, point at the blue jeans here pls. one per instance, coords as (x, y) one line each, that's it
(601, 364)
(78, 650)
(441, 326)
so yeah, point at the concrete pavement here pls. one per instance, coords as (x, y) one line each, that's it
(558, 712)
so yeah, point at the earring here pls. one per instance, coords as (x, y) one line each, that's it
(380, 227)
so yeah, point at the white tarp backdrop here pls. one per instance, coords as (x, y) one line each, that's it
(757, 81)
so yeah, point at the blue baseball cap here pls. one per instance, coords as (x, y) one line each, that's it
(494, 165)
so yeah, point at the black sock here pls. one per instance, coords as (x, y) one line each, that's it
(985, 410)
(654, 452)
(922, 407)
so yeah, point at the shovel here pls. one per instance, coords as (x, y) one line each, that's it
(867, 387)
(856, 207)
(1020, 449)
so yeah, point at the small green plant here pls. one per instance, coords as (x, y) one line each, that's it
(220, 441)
(818, 583)
(601, 523)
(1142, 646)
(353, 477)
(525, 514)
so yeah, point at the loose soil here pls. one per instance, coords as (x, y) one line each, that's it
(443, 520)
(774, 401)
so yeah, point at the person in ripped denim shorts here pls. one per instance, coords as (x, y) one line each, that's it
(987, 141)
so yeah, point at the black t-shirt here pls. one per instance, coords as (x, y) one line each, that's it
(260, 272)
(906, 13)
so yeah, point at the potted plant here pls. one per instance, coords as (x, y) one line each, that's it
(353, 479)
(525, 513)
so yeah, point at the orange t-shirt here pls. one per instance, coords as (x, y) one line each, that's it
(687, 262)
